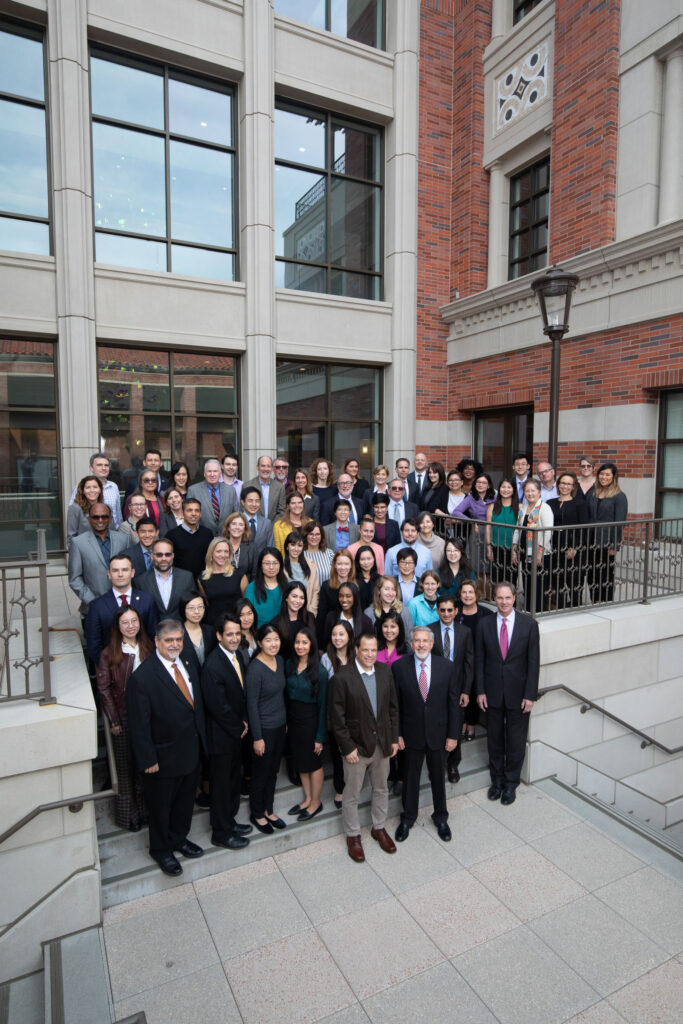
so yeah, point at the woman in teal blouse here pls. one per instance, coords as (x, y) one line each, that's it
(503, 511)
(307, 720)
(267, 587)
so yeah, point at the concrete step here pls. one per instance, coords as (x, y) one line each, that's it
(128, 872)
(648, 706)
(76, 978)
(22, 1001)
(659, 787)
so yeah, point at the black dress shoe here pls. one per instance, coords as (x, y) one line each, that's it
(241, 830)
(444, 831)
(296, 809)
(453, 775)
(509, 795)
(203, 800)
(494, 792)
(267, 829)
(169, 865)
(307, 815)
(402, 832)
(277, 822)
(232, 842)
(189, 849)
(337, 804)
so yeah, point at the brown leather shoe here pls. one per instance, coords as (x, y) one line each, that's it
(384, 839)
(355, 848)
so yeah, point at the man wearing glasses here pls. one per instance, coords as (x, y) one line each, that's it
(90, 554)
(546, 475)
(399, 508)
(163, 582)
(280, 470)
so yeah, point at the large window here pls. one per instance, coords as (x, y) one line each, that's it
(24, 192)
(183, 403)
(163, 169)
(328, 203)
(529, 197)
(498, 434)
(362, 20)
(522, 7)
(328, 411)
(670, 475)
(29, 482)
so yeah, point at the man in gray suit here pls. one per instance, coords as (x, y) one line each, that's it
(163, 582)
(217, 499)
(90, 554)
(272, 492)
(260, 526)
(340, 532)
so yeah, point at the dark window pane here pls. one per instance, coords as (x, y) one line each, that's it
(360, 441)
(539, 237)
(354, 392)
(24, 236)
(354, 225)
(23, 160)
(26, 374)
(310, 11)
(186, 259)
(356, 152)
(123, 251)
(358, 19)
(201, 195)
(540, 207)
(519, 217)
(21, 66)
(129, 179)
(198, 438)
(541, 176)
(355, 286)
(301, 388)
(125, 438)
(300, 138)
(200, 113)
(127, 94)
(136, 381)
(204, 383)
(301, 440)
(300, 215)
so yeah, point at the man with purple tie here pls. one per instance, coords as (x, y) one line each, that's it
(507, 666)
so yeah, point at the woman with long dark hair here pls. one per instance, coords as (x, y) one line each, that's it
(340, 651)
(391, 638)
(316, 549)
(199, 637)
(366, 572)
(475, 507)
(180, 477)
(469, 612)
(436, 495)
(148, 487)
(307, 720)
(268, 585)
(348, 610)
(127, 648)
(265, 693)
(246, 613)
(501, 518)
(343, 570)
(606, 503)
(455, 567)
(302, 569)
(292, 616)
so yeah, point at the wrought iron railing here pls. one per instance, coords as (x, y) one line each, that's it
(565, 568)
(25, 651)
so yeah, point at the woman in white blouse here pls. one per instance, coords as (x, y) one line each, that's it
(534, 513)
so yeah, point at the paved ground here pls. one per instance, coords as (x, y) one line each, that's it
(533, 914)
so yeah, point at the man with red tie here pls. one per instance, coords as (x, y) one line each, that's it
(507, 666)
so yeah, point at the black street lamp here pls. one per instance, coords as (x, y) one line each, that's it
(554, 292)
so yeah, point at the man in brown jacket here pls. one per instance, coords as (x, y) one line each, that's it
(363, 713)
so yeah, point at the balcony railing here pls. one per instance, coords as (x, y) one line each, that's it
(568, 568)
(24, 638)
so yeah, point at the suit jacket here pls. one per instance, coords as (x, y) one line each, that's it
(182, 580)
(312, 506)
(136, 556)
(350, 711)
(87, 566)
(263, 538)
(414, 492)
(463, 654)
(164, 729)
(327, 509)
(224, 701)
(166, 523)
(507, 683)
(433, 499)
(393, 535)
(427, 724)
(101, 615)
(330, 534)
(229, 504)
(276, 498)
(189, 653)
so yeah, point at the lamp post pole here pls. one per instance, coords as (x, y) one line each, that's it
(554, 292)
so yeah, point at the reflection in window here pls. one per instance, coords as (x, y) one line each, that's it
(24, 205)
(29, 482)
(137, 412)
(331, 411)
(361, 20)
(522, 7)
(670, 476)
(529, 198)
(163, 165)
(328, 209)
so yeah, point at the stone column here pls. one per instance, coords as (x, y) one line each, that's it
(500, 22)
(498, 218)
(257, 236)
(671, 159)
(400, 218)
(73, 235)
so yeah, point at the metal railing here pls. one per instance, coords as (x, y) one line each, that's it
(565, 568)
(17, 653)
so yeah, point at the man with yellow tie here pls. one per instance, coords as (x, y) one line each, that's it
(222, 683)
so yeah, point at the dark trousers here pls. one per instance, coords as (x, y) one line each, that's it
(264, 772)
(506, 734)
(543, 584)
(601, 575)
(226, 776)
(169, 804)
(412, 769)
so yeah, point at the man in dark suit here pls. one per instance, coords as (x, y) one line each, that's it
(166, 727)
(454, 642)
(222, 679)
(345, 492)
(507, 668)
(418, 481)
(272, 492)
(151, 461)
(90, 553)
(260, 526)
(399, 509)
(217, 499)
(140, 554)
(163, 582)
(429, 726)
(364, 720)
(101, 612)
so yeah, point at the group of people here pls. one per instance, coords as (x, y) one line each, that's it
(231, 622)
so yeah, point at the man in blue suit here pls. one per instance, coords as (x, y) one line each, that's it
(103, 609)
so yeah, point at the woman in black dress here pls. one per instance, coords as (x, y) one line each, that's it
(292, 617)
(348, 610)
(221, 583)
(366, 573)
(307, 720)
(568, 558)
(469, 613)
(606, 503)
(265, 692)
(436, 495)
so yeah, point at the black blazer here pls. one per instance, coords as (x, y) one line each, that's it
(569, 513)
(224, 701)
(415, 494)
(427, 724)
(463, 655)
(210, 641)
(164, 729)
(393, 535)
(182, 580)
(136, 556)
(433, 499)
(507, 683)
(101, 614)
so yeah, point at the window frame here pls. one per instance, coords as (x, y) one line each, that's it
(169, 72)
(662, 443)
(39, 35)
(513, 233)
(379, 45)
(509, 413)
(520, 8)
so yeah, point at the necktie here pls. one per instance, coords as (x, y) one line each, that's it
(419, 481)
(422, 682)
(238, 670)
(447, 643)
(214, 504)
(252, 525)
(397, 513)
(504, 639)
(148, 559)
(124, 600)
(182, 685)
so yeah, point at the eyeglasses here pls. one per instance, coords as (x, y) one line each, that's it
(100, 517)
(396, 487)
